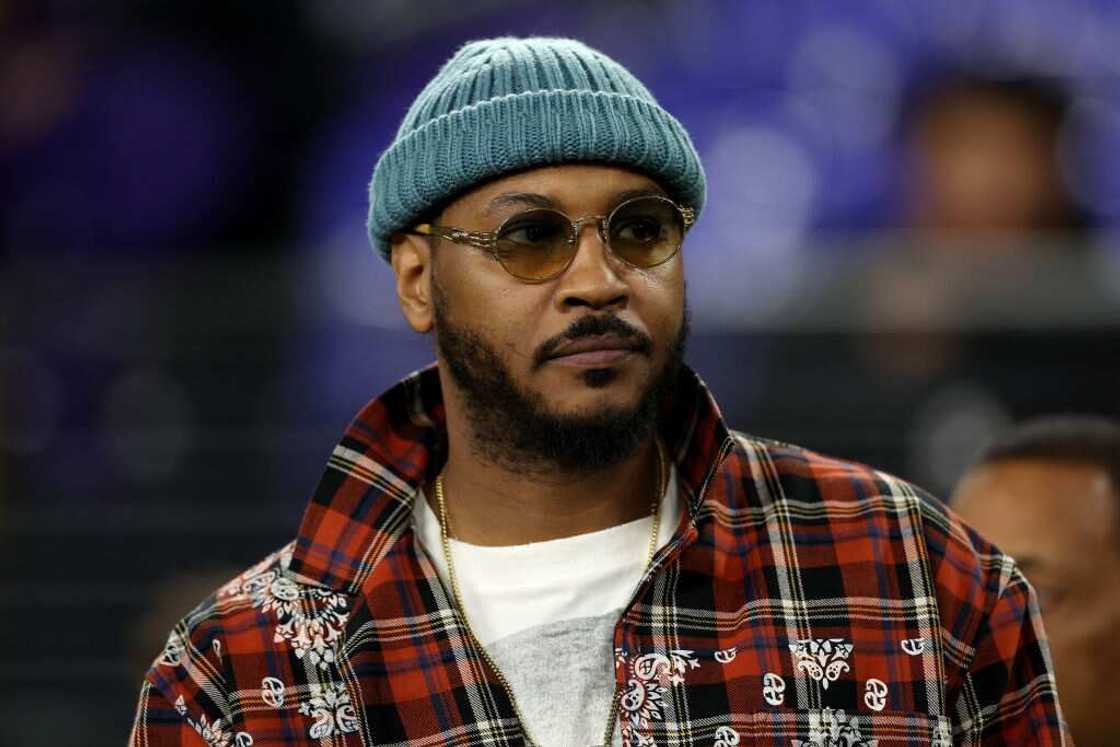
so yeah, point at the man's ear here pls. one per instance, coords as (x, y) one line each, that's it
(411, 257)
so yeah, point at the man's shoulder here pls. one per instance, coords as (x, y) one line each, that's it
(266, 610)
(817, 495)
(800, 476)
(807, 476)
(258, 653)
(859, 501)
(860, 554)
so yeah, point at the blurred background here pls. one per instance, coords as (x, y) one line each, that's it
(912, 240)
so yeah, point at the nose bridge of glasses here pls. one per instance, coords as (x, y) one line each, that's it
(600, 223)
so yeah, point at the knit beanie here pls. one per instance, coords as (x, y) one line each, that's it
(506, 104)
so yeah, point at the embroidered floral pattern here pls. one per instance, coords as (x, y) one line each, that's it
(833, 728)
(310, 618)
(272, 692)
(726, 737)
(875, 694)
(234, 586)
(173, 650)
(823, 659)
(212, 732)
(672, 667)
(330, 707)
(913, 646)
(642, 703)
(650, 677)
(773, 689)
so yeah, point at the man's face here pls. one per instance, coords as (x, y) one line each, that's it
(1059, 521)
(594, 342)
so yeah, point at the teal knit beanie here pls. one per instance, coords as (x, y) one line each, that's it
(506, 104)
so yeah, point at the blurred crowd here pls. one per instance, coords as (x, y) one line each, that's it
(910, 251)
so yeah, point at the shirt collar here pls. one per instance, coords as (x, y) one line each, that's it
(396, 444)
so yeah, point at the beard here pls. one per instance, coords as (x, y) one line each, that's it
(514, 428)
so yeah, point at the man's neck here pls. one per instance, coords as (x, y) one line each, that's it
(490, 504)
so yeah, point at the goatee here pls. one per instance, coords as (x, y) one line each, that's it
(515, 429)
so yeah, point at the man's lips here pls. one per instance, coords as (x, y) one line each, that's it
(595, 351)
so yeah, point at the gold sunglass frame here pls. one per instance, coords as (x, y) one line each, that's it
(487, 241)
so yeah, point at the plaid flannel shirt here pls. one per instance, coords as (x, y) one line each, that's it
(804, 601)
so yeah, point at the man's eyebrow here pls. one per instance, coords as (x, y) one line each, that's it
(519, 198)
(533, 199)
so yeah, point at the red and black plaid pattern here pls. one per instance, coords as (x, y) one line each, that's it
(804, 602)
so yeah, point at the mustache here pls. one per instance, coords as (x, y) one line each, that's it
(594, 326)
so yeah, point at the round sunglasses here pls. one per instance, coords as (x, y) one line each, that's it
(539, 244)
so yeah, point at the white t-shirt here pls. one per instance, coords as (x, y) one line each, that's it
(546, 613)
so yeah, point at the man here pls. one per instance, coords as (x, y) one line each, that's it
(1048, 493)
(551, 537)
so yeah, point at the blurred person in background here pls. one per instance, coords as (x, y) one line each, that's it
(989, 219)
(982, 196)
(1048, 493)
(983, 162)
(937, 340)
(982, 192)
(552, 536)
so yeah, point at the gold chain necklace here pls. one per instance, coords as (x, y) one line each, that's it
(445, 535)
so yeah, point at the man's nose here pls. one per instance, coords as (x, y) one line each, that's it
(594, 278)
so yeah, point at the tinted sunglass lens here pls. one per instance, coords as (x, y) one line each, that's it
(646, 231)
(535, 245)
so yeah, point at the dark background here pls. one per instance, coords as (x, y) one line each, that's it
(190, 312)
